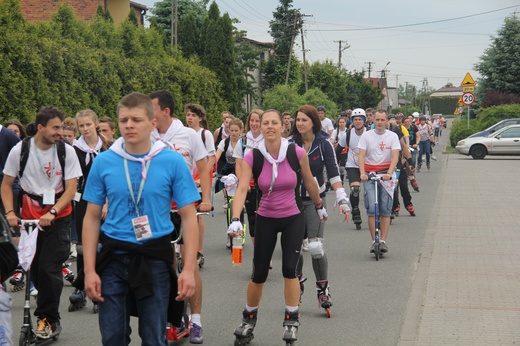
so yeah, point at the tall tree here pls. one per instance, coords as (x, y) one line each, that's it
(162, 13)
(189, 36)
(499, 66)
(284, 30)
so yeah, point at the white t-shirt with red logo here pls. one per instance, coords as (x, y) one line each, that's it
(42, 172)
(378, 156)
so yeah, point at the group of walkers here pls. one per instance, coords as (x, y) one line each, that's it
(126, 197)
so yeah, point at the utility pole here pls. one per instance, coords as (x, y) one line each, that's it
(370, 63)
(173, 38)
(425, 103)
(296, 19)
(341, 49)
(303, 51)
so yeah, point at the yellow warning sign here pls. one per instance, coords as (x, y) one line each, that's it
(468, 81)
(459, 102)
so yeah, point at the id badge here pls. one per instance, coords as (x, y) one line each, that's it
(48, 197)
(77, 197)
(142, 229)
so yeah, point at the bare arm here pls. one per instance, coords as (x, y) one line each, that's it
(7, 199)
(190, 236)
(90, 239)
(243, 186)
(205, 185)
(361, 163)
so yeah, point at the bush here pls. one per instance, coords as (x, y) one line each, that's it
(460, 131)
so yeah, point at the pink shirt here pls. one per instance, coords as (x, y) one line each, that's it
(281, 201)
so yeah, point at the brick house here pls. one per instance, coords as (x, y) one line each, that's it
(41, 10)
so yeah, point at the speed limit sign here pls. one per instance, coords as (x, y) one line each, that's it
(468, 99)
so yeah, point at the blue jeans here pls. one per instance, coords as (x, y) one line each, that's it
(424, 148)
(384, 199)
(114, 315)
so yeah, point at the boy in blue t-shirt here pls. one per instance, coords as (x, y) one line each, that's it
(133, 268)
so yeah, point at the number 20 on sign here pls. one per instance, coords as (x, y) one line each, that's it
(468, 98)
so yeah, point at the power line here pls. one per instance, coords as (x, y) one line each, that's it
(422, 23)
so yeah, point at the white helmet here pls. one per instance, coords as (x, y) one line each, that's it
(415, 114)
(358, 112)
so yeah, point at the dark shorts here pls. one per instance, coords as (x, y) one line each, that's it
(353, 175)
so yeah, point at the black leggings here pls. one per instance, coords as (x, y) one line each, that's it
(292, 229)
(251, 207)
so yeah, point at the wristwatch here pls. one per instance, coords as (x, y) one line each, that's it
(53, 212)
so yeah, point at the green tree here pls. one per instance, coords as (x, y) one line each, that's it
(361, 93)
(316, 97)
(282, 98)
(132, 18)
(189, 36)
(330, 80)
(499, 65)
(246, 61)
(284, 29)
(162, 13)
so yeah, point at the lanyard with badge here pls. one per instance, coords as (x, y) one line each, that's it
(140, 224)
(49, 194)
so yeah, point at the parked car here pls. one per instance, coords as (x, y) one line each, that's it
(496, 127)
(505, 141)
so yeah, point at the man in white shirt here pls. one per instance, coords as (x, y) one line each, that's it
(188, 143)
(48, 189)
(326, 123)
(379, 153)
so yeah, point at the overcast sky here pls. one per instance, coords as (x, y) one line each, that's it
(435, 42)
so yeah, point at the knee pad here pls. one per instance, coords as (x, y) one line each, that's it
(355, 190)
(316, 248)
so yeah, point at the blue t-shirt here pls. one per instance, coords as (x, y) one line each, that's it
(168, 179)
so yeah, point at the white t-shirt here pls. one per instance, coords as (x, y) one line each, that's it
(251, 143)
(342, 137)
(353, 150)
(229, 153)
(186, 142)
(378, 149)
(210, 141)
(43, 170)
(327, 125)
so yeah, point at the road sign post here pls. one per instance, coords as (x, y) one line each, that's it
(468, 84)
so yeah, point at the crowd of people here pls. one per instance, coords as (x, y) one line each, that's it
(116, 203)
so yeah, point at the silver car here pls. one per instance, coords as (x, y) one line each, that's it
(505, 141)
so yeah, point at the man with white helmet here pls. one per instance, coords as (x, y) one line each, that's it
(350, 142)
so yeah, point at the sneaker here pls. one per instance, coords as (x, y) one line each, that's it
(383, 246)
(73, 251)
(225, 206)
(196, 334)
(43, 329)
(33, 291)
(305, 245)
(434, 158)
(373, 247)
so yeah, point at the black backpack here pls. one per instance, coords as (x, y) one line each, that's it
(8, 251)
(292, 158)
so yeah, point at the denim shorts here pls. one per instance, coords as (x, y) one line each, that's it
(385, 201)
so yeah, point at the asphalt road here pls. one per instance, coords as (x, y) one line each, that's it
(369, 297)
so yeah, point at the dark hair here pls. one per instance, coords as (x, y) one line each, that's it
(31, 129)
(321, 109)
(48, 113)
(312, 113)
(109, 121)
(259, 112)
(165, 99)
(137, 100)
(200, 111)
(18, 124)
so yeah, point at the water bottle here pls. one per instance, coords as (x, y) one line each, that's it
(236, 253)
